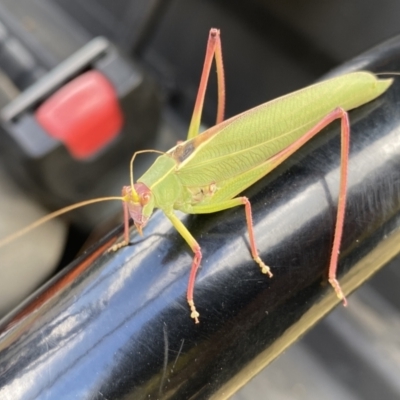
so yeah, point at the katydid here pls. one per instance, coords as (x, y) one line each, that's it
(207, 172)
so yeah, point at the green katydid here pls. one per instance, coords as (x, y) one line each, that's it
(207, 172)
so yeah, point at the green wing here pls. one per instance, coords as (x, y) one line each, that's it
(243, 145)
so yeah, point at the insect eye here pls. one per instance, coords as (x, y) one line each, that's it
(145, 198)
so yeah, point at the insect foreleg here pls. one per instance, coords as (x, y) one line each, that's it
(125, 242)
(191, 241)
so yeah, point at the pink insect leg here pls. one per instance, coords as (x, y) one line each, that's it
(338, 113)
(125, 242)
(190, 240)
(213, 50)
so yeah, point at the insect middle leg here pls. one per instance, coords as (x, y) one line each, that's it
(191, 241)
(238, 201)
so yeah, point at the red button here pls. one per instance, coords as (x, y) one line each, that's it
(84, 114)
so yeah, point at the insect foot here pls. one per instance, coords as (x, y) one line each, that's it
(194, 314)
(338, 290)
(264, 268)
(117, 246)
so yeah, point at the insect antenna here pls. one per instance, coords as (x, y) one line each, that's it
(134, 193)
(387, 73)
(16, 235)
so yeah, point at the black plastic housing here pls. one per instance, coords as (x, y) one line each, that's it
(43, 165)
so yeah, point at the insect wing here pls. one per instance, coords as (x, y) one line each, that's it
(250, 139)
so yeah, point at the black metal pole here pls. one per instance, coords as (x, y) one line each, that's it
(117, 326)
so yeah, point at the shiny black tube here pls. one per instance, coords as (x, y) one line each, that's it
(117, 326)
